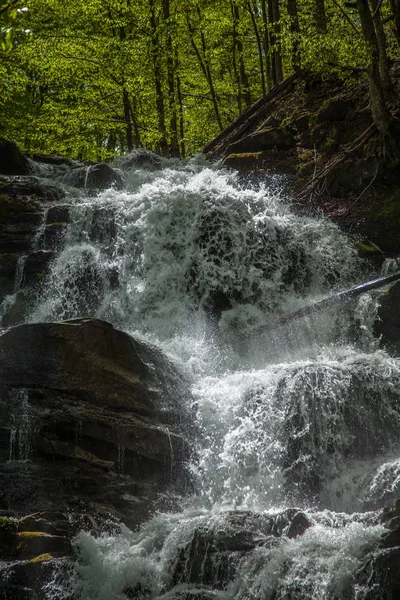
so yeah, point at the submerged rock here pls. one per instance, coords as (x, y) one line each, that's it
(216, 549)
(94, 177)
(140, 159)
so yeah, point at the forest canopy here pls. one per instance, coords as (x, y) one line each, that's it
(94, 78)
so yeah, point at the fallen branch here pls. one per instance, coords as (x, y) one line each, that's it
(337, 298)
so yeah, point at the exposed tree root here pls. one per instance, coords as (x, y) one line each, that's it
(318, 182)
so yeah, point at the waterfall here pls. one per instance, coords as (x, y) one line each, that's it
(298, 425)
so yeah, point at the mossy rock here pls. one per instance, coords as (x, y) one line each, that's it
(8, 538)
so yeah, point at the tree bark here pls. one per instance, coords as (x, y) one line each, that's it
(205, 68)
(274, 17)
(244, 87)
(381, 39)
(127, 119)
(259, 46)
(395, 6)
(295, 31)
(320, 15)
(162, 143)
(377, 98)
(174, 142)
(267, 46)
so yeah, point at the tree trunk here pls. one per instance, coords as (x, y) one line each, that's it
(274, 17)
(174, 142)
(244, 80)
(267, 46)
(320, 16)
(395, 6)
(259, 47)
(162, 143)
(381, 39)
(127, 119)
(378, 105)
(295, 31)
(205, 68)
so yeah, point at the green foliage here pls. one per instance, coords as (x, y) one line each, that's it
(84, 84)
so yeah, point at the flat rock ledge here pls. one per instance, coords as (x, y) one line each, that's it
(96, 430)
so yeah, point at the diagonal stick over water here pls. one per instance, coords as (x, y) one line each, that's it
(336, 298)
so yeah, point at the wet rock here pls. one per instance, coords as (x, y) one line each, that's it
(212, 556)
(100, 415)
(380, 576)
(140, 159)
(388, 324)
(12, 161)
(22, 203)
(267, 139)
(58, 214)
(102, 176)
(94, 177)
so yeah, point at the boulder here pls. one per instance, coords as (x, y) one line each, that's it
(94, 177)
(99, 414)
(12, 161)
(216, 548)
(140, 159)
(387, 326)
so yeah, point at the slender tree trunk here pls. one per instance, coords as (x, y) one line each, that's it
(320, 15)
(259, 46)
(274, 14)
(205, 68)
(395, 6)
(163, 144)
(381, 39)
(138, 141)
(234, 61)
(174, 143)
(181, 119)
(267, 46)
(295, 31)
(244, 87)
(377, 98)
(127, 119)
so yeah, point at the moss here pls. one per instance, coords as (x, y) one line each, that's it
(31, 534)
(8, 526)
(368, 247)
(41, 558)
(10, 207)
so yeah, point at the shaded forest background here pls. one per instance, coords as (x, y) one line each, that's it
(94, 78)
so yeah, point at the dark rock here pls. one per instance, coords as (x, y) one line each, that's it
(12, 161)
(94, 177)
(102, 176)
(18, 310)
(49, 159)
(216, 549)
(30, 189)
(388, 323)
(267, 139)
(58, 214)
(140, 159)
(108, 423)
(333, 110)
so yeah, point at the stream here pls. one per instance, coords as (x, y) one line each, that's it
(298, 422)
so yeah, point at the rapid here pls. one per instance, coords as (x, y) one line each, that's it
(299, 419)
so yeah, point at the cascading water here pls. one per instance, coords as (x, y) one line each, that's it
(304, 416)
